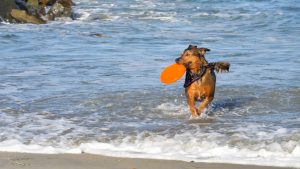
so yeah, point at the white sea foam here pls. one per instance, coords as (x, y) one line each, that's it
(4, 22)
(170, 109)
(198, 145)
(144, 10)
(46, 133)
(181, 147)
(17, 146)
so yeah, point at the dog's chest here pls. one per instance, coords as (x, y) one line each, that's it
(197, 89)
(192, 78)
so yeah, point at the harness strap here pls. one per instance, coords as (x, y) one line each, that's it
(191, 77)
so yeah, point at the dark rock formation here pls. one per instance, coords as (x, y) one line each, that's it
(33, 11)
(23, 17)
(5, 8)
(61, 8)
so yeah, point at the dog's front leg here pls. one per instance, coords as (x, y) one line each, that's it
(204, 104)
(191, 103)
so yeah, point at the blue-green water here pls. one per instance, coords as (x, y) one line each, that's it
(64, 89)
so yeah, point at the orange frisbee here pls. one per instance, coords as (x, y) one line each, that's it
(172, 73)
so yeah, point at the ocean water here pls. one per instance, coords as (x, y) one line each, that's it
(66, 90)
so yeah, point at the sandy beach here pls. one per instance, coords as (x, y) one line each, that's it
(86, 161)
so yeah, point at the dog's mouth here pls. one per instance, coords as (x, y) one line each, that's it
(179, 61)
(187, 65)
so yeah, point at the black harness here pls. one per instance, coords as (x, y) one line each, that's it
(191, 77)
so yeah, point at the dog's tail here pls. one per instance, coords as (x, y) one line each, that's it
(220, 66)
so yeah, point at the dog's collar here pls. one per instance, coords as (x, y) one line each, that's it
(191, 77)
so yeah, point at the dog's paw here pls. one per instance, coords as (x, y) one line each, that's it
(193, 117)
(203, 116)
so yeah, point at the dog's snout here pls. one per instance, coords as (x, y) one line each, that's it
(177, 60)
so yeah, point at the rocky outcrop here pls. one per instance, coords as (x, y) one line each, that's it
(23, 17)
(61, 8)
(5, 8)
(34, 11)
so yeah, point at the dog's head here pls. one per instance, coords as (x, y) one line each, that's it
(192, 57)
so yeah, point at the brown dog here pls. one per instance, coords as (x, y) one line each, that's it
(200, 80)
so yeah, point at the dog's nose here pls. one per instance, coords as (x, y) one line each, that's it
(177, 60)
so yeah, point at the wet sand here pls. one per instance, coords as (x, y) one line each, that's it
(87, 161)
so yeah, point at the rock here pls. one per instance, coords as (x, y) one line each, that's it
(22, 16)
(98, 34)
(49, 2)
(44, 2)
(32, 11)
(52, 2)
(5, 8)
(17, 11)
(21, 4)
(61, 8)
(66, 3)
(34, 3)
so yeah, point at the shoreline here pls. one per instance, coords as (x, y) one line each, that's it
(9, 160)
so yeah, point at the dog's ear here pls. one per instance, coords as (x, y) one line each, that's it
(202, 51)
(191, 47)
